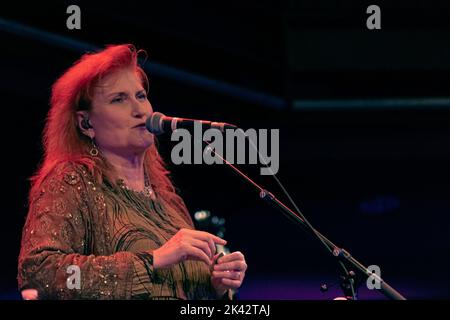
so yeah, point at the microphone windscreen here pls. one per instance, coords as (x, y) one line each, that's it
(154, 123)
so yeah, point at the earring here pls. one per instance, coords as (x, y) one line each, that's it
(85, 124)
(94, 150)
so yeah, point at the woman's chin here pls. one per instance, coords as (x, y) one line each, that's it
(143, 144)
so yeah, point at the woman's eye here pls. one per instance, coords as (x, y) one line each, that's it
(142, 96)
(117, 100)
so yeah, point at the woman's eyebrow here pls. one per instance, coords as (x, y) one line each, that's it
(121, 93)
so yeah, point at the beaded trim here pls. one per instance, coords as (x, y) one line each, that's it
(147, 192)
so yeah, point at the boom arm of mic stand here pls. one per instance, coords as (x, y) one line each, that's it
(385, 288)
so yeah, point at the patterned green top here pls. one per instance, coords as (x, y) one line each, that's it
(110, 234)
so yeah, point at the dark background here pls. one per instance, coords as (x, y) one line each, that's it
(363, 116)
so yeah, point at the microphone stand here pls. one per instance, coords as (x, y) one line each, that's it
(348, 279)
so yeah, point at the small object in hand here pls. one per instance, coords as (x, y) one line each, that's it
(219, 256)
(216, 260)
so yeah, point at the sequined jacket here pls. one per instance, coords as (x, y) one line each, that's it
(82, 240)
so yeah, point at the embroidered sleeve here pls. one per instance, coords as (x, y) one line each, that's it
(54, 257)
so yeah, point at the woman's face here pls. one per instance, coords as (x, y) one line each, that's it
(119, 111)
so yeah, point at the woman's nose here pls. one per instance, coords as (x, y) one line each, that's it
(137, 113)
(140, 109)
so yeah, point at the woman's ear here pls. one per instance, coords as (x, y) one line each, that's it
(84, 124)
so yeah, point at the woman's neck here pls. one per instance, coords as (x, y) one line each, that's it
(129, 168)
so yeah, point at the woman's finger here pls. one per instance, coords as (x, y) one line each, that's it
(237, 265)
(237, 255)
(202, 245)
(197, 254)
(233, 284)
(202, 235)
(233, 275)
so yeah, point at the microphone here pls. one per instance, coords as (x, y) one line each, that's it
(158, 124)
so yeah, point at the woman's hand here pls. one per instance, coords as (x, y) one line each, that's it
(187, 244)
(228, 273)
